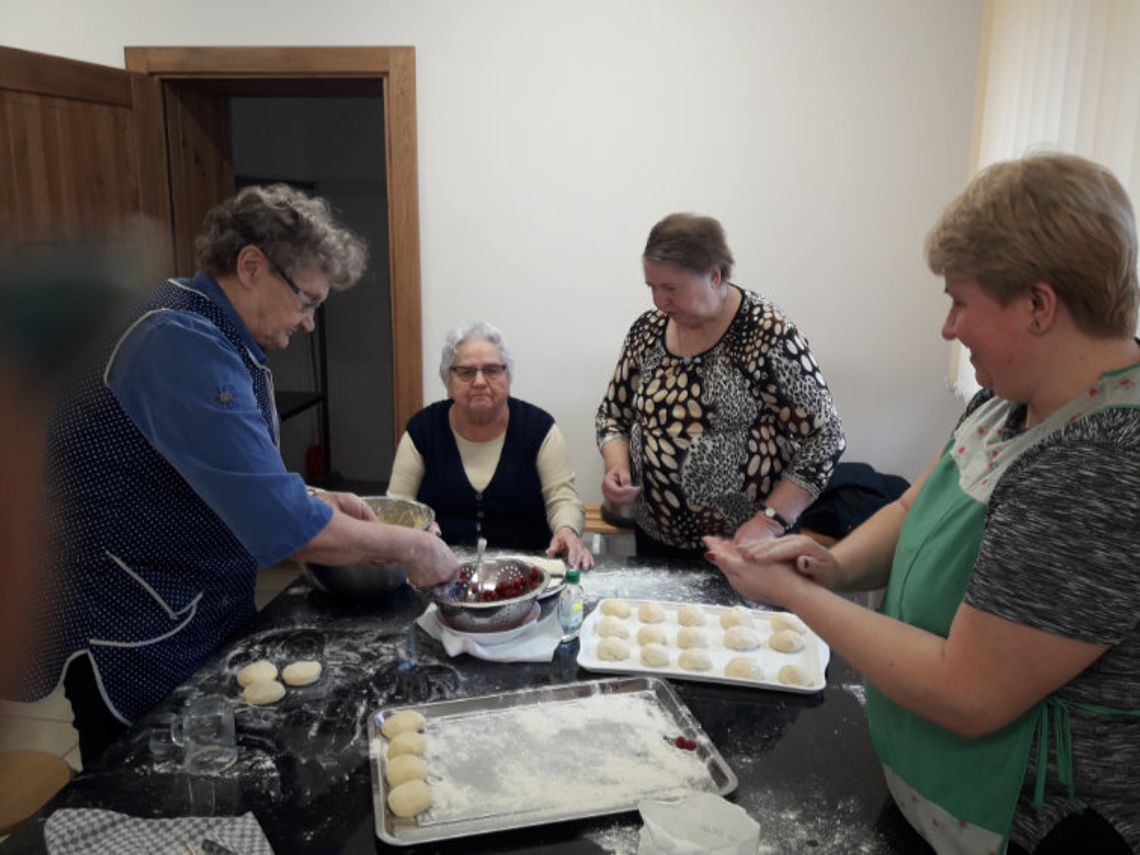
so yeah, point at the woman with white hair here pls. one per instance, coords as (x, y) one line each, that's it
(488, 464)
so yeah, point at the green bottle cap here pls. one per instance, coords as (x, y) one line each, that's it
(573, 575)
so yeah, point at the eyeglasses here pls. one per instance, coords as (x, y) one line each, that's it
(467, 373)
(307, 306)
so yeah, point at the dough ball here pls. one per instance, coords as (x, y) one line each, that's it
(651, 613)
(695, 660)
(301, 673)
(408, 742)
(613, 649)
(689, 636)
(736, 616)
(611, 627)
(401, 722)
(651, 635)
(264, 692)
(782, 620)
(786, 641)
(742, 668)
(617, 608)
(691, 615)
(403, 768)
(741, 638)
(792, 675)
(655, 655)
(257, 672)
(410, 798)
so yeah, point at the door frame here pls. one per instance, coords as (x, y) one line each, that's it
(395, 68)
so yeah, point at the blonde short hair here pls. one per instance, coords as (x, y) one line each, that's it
(1053, 218)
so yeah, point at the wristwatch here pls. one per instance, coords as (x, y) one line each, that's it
(774, 516)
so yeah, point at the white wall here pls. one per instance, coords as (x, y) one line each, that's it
(826, 136)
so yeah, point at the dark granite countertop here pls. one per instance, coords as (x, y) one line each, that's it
(806, 768)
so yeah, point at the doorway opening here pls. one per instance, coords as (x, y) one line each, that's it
(334, 387)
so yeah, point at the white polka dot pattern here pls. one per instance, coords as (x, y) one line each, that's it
(148, 579)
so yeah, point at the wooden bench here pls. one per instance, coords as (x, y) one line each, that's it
(596, 525)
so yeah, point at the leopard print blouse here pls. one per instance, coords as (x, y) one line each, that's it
(710, 435)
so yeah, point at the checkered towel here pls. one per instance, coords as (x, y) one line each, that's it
(85, 831)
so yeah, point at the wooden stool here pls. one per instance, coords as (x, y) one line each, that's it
(596, 525)
(28, 779)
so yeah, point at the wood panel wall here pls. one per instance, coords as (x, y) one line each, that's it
(82, 153)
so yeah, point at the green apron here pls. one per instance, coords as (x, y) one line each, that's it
(961, 793)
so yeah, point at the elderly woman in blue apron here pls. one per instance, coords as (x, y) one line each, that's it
(1004, 668)
(166, 488)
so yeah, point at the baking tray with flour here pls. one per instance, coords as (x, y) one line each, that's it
(549, 754)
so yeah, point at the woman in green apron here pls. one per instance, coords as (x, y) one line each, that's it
(1003, 668)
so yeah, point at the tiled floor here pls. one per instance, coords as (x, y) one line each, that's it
(46, 725)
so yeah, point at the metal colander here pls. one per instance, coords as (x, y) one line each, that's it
(460, 609)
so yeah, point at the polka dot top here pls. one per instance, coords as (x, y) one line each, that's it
(147, 579)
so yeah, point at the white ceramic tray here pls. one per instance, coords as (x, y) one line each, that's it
(548, 754)
(812, 660)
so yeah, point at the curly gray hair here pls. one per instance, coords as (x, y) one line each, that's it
(296, 232)
(481, 330)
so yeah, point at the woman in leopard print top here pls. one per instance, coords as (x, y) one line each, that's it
(717, 419)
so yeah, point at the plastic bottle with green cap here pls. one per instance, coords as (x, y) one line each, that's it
(570, 603)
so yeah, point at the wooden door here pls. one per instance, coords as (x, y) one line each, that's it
(82, 154)
(200, 161)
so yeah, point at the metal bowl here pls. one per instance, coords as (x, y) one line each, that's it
(460, 609)
(370, 581)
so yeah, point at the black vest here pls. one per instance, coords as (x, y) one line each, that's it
(510, 512)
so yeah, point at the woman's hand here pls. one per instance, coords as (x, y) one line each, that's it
(566, 541)
(428, 560)
(616, 486)
(804, 554)
(348, 503)
(759, 528)
(769, 582)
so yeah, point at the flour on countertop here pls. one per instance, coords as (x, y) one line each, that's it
(363, 668)
(817, 826)
(616, 839)
(858, 690)
(644, 582)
